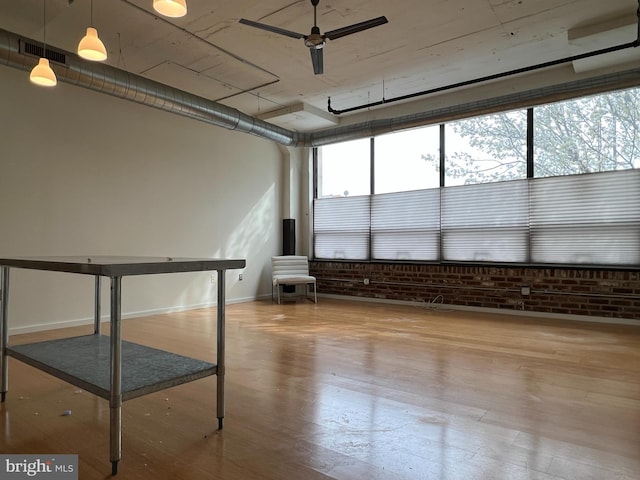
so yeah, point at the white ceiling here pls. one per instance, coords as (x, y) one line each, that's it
(426, 44)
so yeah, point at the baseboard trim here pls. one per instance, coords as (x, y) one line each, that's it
(427, 305)
(524, 313)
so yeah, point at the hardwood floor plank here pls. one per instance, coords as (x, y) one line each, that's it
(351, 390)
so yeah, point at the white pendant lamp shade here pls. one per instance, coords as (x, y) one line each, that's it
(43, 75)
(91, 47)
(170, 8)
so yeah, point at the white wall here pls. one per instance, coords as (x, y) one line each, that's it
(83, 173)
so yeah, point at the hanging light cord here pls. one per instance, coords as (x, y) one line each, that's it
(121, 56)
(44, 28)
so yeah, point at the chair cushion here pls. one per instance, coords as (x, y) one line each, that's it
(292, 279)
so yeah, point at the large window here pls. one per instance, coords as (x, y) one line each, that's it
(567, 195)
(344, 169)
(591, 134)
(341, 227)
(586, 219)
(403, 160)
(486, 149)
(406, 225)
(486, 222)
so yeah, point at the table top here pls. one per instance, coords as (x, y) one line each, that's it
(115, 266)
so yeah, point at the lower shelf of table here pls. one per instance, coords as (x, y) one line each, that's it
(85, 362)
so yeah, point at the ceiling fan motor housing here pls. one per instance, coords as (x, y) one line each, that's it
(314, 39)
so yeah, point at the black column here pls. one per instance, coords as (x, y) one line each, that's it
(289, 244)
(289, 236)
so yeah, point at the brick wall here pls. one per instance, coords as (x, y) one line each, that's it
(601, 293)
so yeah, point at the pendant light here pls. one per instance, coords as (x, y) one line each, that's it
(170, 8)
(42, 74)
(91, 47)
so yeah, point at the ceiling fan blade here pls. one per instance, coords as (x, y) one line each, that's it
(269, 28)
(317, 60)
(355, 28)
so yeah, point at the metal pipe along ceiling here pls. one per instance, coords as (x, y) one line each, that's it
(113, 81)
(119, 83)
(518, 100)
(517, 71)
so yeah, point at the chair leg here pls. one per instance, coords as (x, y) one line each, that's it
(278, 290)
(315, 296)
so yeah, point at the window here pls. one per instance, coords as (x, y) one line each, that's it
(486, 149)
(407, 160)
(588, 219)
(344, 169)
(341, 228)
(486, 222)
(579, 206)
(592, 134)
(406, 225)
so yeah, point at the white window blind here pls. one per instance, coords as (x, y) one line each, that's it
(406, 225)
(485, 222)
(341, 227)
(586, 219)
(590, 219)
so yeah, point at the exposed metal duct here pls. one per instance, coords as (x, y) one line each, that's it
(119, 83)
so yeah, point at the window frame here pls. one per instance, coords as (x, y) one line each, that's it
(530, 257)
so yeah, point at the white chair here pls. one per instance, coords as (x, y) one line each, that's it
(291, 270)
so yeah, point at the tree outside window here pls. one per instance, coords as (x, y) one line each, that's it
(590, 134)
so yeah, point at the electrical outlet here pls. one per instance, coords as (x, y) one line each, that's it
(525, 290)
(240, 277)
(213, 279)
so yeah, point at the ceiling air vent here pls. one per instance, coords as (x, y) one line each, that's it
(36, 50)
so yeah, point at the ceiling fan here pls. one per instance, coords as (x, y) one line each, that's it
(316, 41)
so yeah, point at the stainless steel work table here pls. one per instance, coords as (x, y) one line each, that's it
(95, 362)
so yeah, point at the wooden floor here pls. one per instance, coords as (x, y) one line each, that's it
(356, 391)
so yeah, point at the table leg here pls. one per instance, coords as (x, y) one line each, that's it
(115, 399)
(220, 348)
(96, 315)
(4, 333)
